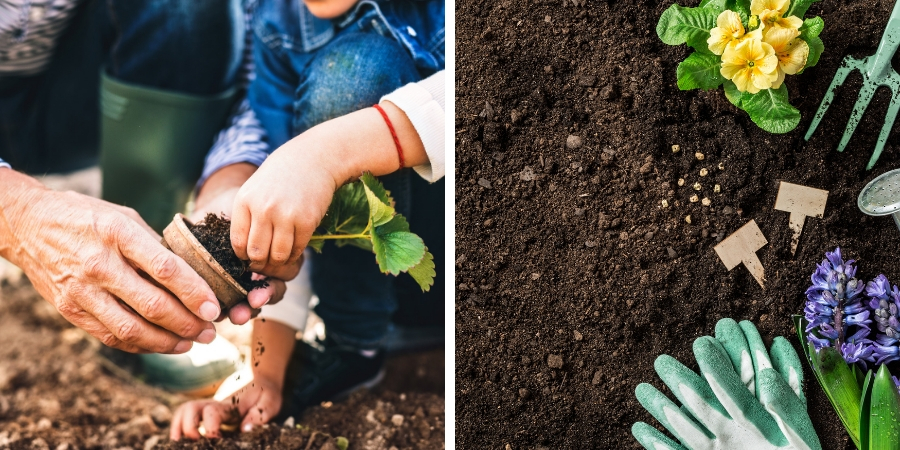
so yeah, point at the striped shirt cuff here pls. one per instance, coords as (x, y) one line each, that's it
(423, 103)
(242, 141)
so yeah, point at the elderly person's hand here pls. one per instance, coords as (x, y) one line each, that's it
(217, 196)
(103, 268)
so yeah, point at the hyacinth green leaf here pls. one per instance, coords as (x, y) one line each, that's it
(840, 387)
(732, 93)
(884, 426)
(396, 249)
(865, 406)
(381, 209)
(700, 71)
(423, 272)
(859, 374)
(798, 8)
(348, 212)
(770, 109)
(680, 25)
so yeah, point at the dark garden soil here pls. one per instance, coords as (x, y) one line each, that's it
(214, 233)
(572, 277)
(56, 393)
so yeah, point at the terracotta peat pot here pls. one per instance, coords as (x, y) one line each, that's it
(178, 238)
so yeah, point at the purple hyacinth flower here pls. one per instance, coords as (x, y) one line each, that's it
(835, 310)
(884, 301)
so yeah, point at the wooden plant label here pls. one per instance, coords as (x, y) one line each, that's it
(801, 202)
(741, 247)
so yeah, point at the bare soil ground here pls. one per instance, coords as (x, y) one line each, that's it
(57, 393)
(572, 277)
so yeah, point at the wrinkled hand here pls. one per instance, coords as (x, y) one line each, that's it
(105, 271)
(745, 399)
(254, 404)
(217, 196)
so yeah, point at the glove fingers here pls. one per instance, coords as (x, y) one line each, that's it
(730, 335)
(786, 361)
(789, 412)
(742, 406)
(671, 417)
(757, 349)
(693, 393)
(652, 439)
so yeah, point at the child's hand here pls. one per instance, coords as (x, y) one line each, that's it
(252, 405)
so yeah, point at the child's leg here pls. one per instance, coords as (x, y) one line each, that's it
(352, 73)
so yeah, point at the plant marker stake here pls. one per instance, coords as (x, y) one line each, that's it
(801, 202)
(882, 196)
(876, 71)
(741, 247)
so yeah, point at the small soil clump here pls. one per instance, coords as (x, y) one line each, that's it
(214, 233)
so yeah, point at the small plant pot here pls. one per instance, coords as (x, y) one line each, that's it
(179, 239)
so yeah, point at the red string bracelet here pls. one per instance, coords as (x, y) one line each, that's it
(393, 133)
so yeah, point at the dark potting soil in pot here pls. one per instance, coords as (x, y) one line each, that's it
(214, 233)
(571, 275)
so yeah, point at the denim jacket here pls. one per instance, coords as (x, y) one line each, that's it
(288, 26)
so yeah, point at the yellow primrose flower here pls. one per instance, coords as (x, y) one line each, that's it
(751, 65)
(728, 31)
(790, 51)
(771, 14)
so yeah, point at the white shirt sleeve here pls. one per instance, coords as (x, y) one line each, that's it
(423, 103)
(293, 309)
(4, 164)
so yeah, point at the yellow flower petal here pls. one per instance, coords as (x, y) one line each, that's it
(758, 6)
(794, 59)
(731, 21)
(730, 70)
(769, 63)
(790, 22)
(741, 79)
(779, 79)
(780, 38)
(729, 28)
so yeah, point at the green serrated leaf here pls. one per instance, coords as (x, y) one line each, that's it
(716, 5)
(423, 272)
(316, 244)
(348, 212)
(680, 25)
(379, 211)
(771, 110)
(362, 243)
(798, 8)
(812, 27)
(840, 387)
(700, 71)
(816, 47)
(865, 411)
(396, 249)
(341, 442)
(377, 188)
(732, 93)
(884, 426)
(741, 6)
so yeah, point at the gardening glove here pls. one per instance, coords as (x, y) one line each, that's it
(747, 397)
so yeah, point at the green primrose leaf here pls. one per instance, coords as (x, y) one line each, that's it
(816, 47)
(348, 212)
(798, 7)
(884, 428)
(680, 25)
(717, 5)
(700, 71)
(771, 110)
(812, 27)
(423, 272)
(732, 93)
(741, 6)
(396, 249)
(380, 209)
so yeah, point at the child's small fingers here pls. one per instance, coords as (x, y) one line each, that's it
(240, 228)
(282, 244)
(212, 419)
(175, 426)
(189, 422)
(259, 242)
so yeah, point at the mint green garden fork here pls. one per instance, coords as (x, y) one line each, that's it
(876, 71)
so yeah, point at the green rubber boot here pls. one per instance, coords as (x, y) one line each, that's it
(153, 144)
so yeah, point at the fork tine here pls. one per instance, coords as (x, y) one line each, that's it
(885, 129)
(847, 65)
(865, 96)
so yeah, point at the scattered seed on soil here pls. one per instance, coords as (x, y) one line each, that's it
(676, 148)
(699, 156)
(694, 198)
(397, 420)
(214, 233)
(721, 166)
(665, 203)
(705, 201)
(681, 181)
(717, 188)
(703, 172)
(687, 219)
(578, 336)
(697, 186)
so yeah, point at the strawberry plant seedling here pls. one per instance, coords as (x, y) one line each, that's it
(362, 214)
